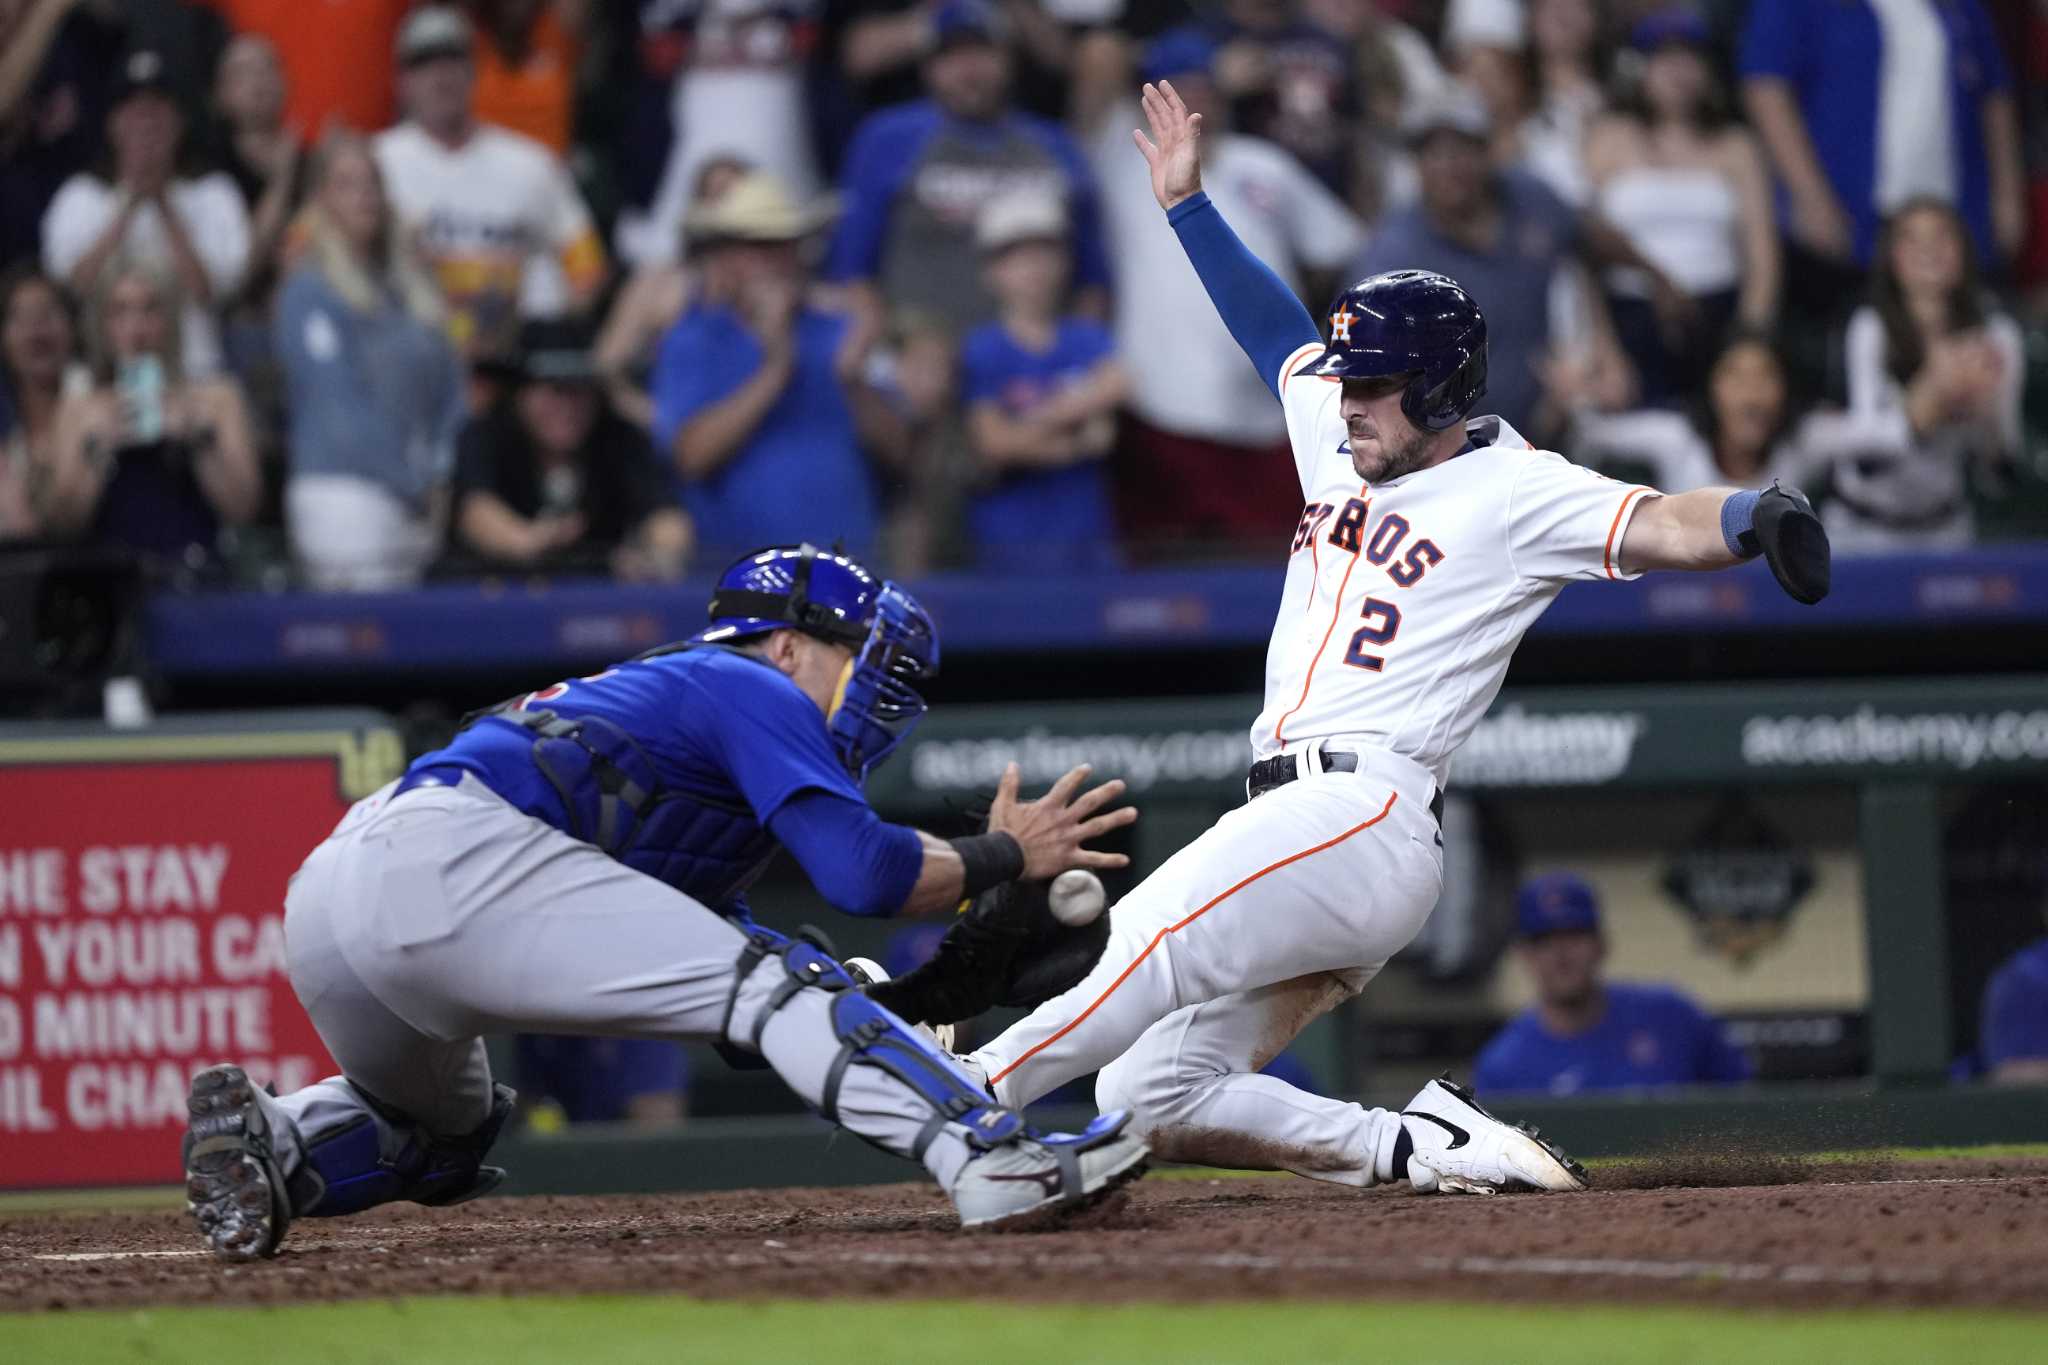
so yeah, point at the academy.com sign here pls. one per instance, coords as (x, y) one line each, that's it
(1143, 761)
(1512, 747)
(1954, 739)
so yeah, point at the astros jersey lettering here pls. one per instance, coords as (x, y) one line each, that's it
(1405, 600)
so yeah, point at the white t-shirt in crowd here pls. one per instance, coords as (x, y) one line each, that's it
(1895, 488)
(1915, 131)
(216, 223)
(741, 94)
(499, 221)
(1405, 600)
(1187, 375)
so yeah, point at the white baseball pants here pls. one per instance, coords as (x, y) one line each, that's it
(1285, 907)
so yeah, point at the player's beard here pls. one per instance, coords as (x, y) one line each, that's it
(1394, 461)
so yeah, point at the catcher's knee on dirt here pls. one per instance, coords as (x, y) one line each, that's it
(357, 1156)
(786, 992)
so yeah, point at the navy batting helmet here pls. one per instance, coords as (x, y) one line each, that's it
(1415, 323)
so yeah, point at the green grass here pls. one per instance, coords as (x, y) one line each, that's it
(626, 1330)
(126, 1199)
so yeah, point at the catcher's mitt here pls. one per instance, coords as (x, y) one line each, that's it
(1005, 949)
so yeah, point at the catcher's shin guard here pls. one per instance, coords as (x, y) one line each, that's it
(364, 1162)
(773, 970)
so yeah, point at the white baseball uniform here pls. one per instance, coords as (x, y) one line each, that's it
(1404, 601)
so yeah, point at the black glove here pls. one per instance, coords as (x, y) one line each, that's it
(1053, 957)
(1793, 542)
(1005, 949)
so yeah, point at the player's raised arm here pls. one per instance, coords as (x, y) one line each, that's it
(1262, 313)
(1713, 528)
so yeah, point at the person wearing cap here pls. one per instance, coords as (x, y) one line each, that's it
(1201, 425)
(651, 300)
(374, 392)
(1042, 389)
(762, 406)
(142, 207)
(1674, 173)
(916, 176)
(498, 217)
(1585, 1033)
(1513, 245)
(551, 478)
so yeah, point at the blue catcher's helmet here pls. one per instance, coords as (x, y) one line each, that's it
(835, 599)
(1415, 323)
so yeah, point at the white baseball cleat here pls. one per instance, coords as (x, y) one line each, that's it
(1459, 1148)
(868, 972)
(1037, 1181)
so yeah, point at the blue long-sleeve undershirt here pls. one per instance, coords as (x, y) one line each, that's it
(1262, 313)
(857, 860)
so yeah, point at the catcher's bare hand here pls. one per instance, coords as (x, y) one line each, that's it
(1173, 150)
(1053, 830)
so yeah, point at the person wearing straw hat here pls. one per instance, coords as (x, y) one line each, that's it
(761, 405)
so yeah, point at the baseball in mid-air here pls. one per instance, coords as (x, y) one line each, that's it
(1076, 897)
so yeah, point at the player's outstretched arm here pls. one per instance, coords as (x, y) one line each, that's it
(1262, 313)
(1713, 528)
(1034, 840)
(867, 866)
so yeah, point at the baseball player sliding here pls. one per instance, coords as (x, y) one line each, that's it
(576, 861)
(1429, 543)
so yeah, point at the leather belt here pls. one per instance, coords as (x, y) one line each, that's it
(1277, 771)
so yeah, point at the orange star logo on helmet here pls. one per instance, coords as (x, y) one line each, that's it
(1340, 324)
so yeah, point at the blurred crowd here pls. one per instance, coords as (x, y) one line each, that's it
(357, 292)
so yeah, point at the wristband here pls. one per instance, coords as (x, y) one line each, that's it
(987, 860)
(1738, 523)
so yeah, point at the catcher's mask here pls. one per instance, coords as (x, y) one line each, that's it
(832, 597)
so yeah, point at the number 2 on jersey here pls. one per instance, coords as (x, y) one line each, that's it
(1382, 622)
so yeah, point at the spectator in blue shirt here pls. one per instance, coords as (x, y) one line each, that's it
(917, 175)
(1863, 105)
(1584, 1033)
(2014, 1037)
(761, 402)
(1042, 391)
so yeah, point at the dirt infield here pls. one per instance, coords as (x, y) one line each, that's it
(1691, 1230)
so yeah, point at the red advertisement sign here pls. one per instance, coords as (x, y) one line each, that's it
(142, 936)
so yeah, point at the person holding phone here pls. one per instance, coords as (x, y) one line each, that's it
(148, 458)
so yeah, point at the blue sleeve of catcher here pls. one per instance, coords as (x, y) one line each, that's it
(1262, 313)
(857, 860)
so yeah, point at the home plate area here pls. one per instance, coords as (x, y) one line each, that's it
(1692, 1230)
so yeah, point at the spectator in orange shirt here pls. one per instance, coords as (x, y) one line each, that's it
(333, 57)
(526, 60)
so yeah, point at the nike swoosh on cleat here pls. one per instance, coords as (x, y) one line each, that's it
(1049, 1180)
(1459, 1137)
